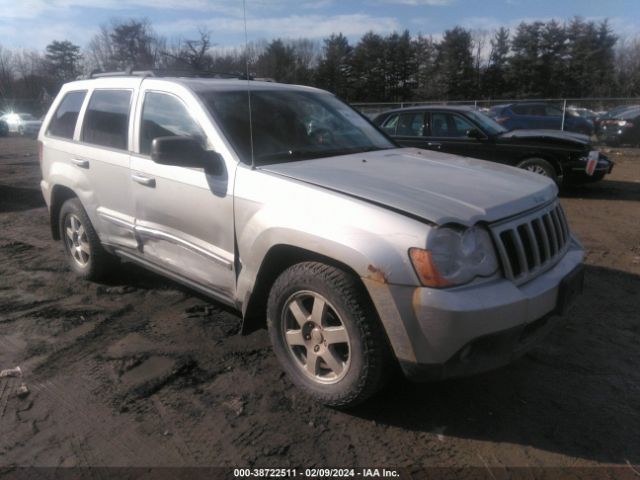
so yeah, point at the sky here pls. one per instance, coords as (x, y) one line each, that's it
(32, 24)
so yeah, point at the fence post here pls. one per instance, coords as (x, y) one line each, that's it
(564, 112)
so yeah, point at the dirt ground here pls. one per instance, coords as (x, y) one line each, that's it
(143, 372)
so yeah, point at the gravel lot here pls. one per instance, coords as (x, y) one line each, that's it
(141, 371)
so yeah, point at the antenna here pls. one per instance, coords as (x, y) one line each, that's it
(246, 58)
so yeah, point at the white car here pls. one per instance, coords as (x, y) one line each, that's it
(22, 123)
(357, 254)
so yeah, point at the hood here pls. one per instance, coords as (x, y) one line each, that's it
(432, 186)
(556, 137)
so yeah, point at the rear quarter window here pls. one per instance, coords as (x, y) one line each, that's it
(63, 122)
(106, 122)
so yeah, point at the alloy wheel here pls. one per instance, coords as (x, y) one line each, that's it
(77, 241)
(316, 337)
(537, 169)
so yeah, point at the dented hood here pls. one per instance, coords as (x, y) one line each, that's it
(435, 187)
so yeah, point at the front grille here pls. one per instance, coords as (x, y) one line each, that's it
(530, 244)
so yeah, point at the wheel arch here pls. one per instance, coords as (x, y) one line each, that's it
(551, 159)
(59, 195)
(278, 258)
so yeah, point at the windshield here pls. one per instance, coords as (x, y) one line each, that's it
(488, 124)
(290, 125)
(627, 114)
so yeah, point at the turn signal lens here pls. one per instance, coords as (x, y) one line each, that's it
(425, 268)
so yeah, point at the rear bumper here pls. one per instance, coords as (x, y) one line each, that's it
(461, 331)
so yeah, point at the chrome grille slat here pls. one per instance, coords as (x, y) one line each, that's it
(556, 223)
(545, 239)
(552, 231)
(522, 256)
(532, 243)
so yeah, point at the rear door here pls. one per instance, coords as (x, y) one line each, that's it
(407, 128)
(104, 156)
(184, 216)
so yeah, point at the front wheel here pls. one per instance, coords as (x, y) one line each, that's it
(326, 334)
(539, 166)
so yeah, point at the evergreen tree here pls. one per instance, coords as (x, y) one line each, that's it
(455, 64)
(399, 66)
(424, 63)
(63, 60)
(335, 70)
(495, 80)
(525, 63)
(369, 69)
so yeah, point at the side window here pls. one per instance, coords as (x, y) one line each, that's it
(521, 109)
(164, 115)
(549, 110)
(106, 122)
(411, 125)
(449, 125)
(390, 124)
(461, 126)
(538, 110)
(439, 125)
(63, 122)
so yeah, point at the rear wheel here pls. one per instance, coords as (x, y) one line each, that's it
(539, 166)
(326, 334)
(84, 251)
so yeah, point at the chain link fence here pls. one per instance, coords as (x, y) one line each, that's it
(594, 106)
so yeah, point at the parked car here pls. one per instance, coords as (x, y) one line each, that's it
(611, 114)
(356, 253)
(622, 129)
(4, 128)
(583, 112)
(30, 128)
(559, 155)
(17, 121)
(516, 116)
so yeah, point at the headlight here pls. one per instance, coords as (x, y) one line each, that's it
(454, 256)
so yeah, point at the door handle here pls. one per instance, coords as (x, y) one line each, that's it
(80, 162)
(434, 144)
(144, 180)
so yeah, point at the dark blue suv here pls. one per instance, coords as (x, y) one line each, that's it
(518, 116)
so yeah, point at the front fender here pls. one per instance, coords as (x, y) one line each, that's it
(272, 211)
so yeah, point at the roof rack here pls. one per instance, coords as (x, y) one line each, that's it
(130, 72)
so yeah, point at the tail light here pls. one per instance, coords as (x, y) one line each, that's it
(501, 120)
(40, 152)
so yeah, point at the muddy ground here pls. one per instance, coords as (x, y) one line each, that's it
(141, 371)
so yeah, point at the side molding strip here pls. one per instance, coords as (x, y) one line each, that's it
(151, 232)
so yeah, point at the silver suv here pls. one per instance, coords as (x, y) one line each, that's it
(287, 204)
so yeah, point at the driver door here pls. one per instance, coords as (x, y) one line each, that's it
(448, 133)
(184, 216)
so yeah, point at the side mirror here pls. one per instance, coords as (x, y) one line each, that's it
(475, 133)
(185, 152)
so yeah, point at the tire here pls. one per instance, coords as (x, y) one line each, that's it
(83, 249)
(350, 365)
(540, 166)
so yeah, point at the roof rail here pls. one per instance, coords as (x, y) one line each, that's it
(129, 72)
